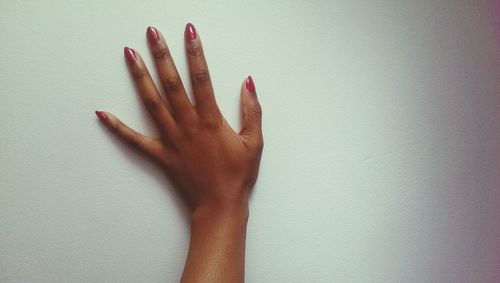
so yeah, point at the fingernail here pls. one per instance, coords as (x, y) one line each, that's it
(130, 55)
(152, 35)
(250, 85)
(190, 32)
(101, 115)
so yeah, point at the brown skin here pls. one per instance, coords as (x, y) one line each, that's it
(213, 167)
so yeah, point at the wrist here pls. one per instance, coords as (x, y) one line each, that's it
(236, 210)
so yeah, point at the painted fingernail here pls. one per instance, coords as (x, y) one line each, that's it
(130, 55)
(152, 35)
(190, 32)
(102, 116)
(250, 85)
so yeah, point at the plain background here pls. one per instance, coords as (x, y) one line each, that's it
(381, 124)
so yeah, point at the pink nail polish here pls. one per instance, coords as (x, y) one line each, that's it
(130, 55)
(152, 35)
(102, 116)
(190, 32)
(249, 84)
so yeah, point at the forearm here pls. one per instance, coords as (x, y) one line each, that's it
(217, 245)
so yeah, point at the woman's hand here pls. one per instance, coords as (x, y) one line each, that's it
(211, 165)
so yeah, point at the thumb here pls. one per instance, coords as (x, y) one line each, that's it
(251, 114)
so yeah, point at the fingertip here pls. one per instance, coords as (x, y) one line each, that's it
(130, 54)
(103, 117)
(248, 92)
(152, 35)
(251, 111)
(190, 33)
(107, 118)
(250, 85)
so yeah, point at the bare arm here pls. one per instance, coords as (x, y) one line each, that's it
(217, 247)
(213, 167)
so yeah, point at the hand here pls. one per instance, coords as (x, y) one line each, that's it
(210, 164)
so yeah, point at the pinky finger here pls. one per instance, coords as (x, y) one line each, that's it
(150, 146)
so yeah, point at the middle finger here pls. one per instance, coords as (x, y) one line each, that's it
(182, 108)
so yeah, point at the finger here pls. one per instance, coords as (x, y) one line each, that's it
(200, 77)
(148, 92)
(251, 115)
(145, 144)
(182, 108)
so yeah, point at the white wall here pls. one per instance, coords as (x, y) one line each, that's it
(381, 126)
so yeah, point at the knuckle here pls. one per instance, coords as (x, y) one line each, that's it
(212, 121)
(167, 161)
(200, 78)
(161, 155)
(256, 108)
(172, 84)
(190, 131)
(260, 144)
(116, 127)
(153, 104)
(195, 50)
(257, 145)
(133, 141)
(161, 53)
(138, 74)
